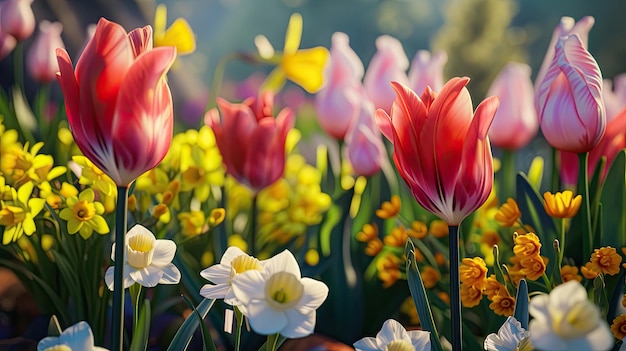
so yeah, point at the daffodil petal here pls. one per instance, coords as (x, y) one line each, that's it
(264, 319)
(306, 68)
(274, 81)
(171, 274)
(298, 324)
(160, 20)
(294, 34)
(164, 251)
(180, 35)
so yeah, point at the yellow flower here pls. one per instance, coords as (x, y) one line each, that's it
(588, 271)
(470, 295)
(473, 271)
(533, 267)
(388, 267)
(192, 223)
(439, 228)
(570, 273)
(84, 215)
(493, 287)
(216, 217)
(619, 327)
(91, 175)
(389, 209)
(508, 214)
(606, 260)
(418, 230)
(368, 232)
(503, 305)
(562, 205)
(526, 245)
(17, 214)
(430, 277)
(179, 34)
(373, 247)
(490, 238)
(397, 237)
(303, 67)
(409, 309)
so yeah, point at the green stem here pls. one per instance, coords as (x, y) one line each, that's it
(18, 65)
(252, 225)
(585, 209)
(239, 319)
(455, 289)
(562, 244)
(117, 328)
(554, 172)
(272, 341)
(507, 175)
(135, 293)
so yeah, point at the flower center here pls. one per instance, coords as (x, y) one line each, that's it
(84, 210)
(524, 345)
(244, 263)
(11, 215)
(193, 175)
(140, 250)
(582, 318)
(283, 290)
(61, 347)
(399, 345)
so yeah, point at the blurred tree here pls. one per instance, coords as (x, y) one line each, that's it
(479, 41)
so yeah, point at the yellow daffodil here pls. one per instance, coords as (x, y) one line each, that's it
(303, 67)
(473, 271)
(84, 215)
(17, 214)
(179, 34)
(91, 175)
(562, 205)
(508, 214)
(606, 260)
(503, 305)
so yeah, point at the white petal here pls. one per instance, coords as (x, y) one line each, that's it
(543, 338)
(600, 338)
(138, 229)
(230, 254)
(108, 277)
(78, 336)
(263, 319)
(315, 292)
(538, 308)
(171, 274)
(217, 274)
(420, 339)
(164, 251)
(283, 262)
(47, 342)
(391, 330)
(249, 285)
(366, 344)
(298, 325)
(148, 277)
(565, 295)
(217, 291)
(113, 252)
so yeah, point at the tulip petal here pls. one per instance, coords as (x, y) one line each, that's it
(69, 87)
(140, 40)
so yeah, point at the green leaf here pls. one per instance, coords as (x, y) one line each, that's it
(332, 218)
(418, 292)
(613, 201)
(521, 304)
(183, 336)
(207, 340)
(54, 329)
(141, 335)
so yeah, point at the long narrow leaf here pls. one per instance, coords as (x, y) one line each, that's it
(141, 335)
(521, 304)
(416, 285)
(207, 340)
(183, 336)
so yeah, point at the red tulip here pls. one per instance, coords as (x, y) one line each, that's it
(569, 98)
(441, 148)
(516, 122)
(251, 140)
(388, 64)
(118, 103)
(41, 61)
(17, 18)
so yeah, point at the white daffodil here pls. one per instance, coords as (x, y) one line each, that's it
(567, 320)
(393, 336)
(277, 300)
(148, 261)
(511, 337)
(78, 337)
(233, 262)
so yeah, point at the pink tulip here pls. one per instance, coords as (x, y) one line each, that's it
(427, 70)
(17, 18)
(516, 122)
(7, 44)
(338, 103)
(441, 148)
(118, 103)
(41, 60)
(614, 96)
(569, 98)
(364, 146)
(567, 26)
(388, 64)
(251, 140)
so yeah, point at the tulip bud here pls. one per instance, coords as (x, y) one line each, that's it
(364, 145)
(7, 44)
(17, 18)
(41, 61)
(388, 64)
(427, 71)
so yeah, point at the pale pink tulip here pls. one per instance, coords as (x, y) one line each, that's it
(7, 44)
(569, 98)
(427, 70)
(338, 103)
(41, 61)
(441, 148)
(17, 18)
(364, 145)
(388, 64)
(516, 122)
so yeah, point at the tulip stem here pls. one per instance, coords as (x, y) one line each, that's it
(585, 209)
(455, 289)
(117, 327)
(252, 226)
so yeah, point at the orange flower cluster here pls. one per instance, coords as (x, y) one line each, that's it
(604, 260)
(527, 262)
(502, 303)
(473, 275)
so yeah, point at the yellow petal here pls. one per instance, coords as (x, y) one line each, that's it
(274, 81)
(87, 195)
(11, 234)
(160, 20)
(294, 34)
(306, 67)
(29, 225)
(264, 47)
(180, 35)
(23, 193)
(73, 225)
(36, 205)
